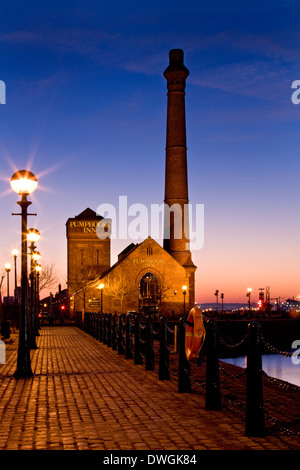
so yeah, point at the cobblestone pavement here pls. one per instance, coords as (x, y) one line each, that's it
(84, 396)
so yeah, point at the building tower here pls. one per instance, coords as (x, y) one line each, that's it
(176, 223)
(88, 256)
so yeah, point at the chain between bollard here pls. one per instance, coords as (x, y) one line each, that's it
(113, 330)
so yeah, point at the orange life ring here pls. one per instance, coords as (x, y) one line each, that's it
(194, 335)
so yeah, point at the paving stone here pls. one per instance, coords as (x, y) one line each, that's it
(84, 396)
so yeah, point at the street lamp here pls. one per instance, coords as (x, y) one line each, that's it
(7, 269)
(101, 286)
(184, 289)
(38, 269)
(36, 276)
(23, 182)
(33, 236)
(249, 290)
(217, 299)
(222, 297)
(15, 254)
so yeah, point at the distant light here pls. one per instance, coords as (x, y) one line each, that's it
(249, 289)
(23, 182)
(184, 288)
(38, 268)
(7, 267)
(36, 255)
(33, 235)
(100, 286)
(15, 252)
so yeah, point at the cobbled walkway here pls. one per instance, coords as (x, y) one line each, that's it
(84, 396)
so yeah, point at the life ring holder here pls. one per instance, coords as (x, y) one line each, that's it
(194, 333)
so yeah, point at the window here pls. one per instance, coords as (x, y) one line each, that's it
(149, 250)
(149, 294)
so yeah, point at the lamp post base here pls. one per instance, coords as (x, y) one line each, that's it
(23, 372)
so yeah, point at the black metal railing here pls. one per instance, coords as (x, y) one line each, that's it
(136, 337)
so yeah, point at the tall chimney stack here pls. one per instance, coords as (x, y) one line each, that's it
(176, 223)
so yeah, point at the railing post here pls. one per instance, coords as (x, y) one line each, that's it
(137, 332)
(98, 325)
(121, 349)
(93, 324)
(128, 342)
(184, 382)
(109, 322)
(88, 322)
(101, 328)
(149, 362)
(105, 332)
(213, 393)
(164, 373)
(114, 332)
(255, 423)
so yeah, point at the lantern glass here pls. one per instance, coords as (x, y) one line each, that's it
(23, 182)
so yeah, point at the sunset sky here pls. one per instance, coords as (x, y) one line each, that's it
(86, 112)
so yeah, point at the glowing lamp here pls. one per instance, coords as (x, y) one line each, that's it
(36, 256)
(23, 182)
(7, 267)
(33, 235)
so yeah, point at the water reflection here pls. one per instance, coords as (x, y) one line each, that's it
(274, 365)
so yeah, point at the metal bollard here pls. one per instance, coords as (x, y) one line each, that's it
(121, 349)
(128, 342)
(213, 393)
(109, 322)
(184, 373)
(255, 423)
(149, 362)
(114, 332)
(98, 326)
(105, 328)
(93, 315)
(164, 373)
(137, 332)
(101, 328)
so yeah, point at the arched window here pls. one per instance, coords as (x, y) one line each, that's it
(149, 294)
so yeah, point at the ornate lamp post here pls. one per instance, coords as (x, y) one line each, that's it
(249, 290)
(35, 256)
(38, 269)
(33, 236)
(184, 289)
(101, 287)
(7, 269)
(23, 182)
(15, 254)
(217, 299)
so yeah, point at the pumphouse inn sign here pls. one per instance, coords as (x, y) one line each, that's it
(87, 226)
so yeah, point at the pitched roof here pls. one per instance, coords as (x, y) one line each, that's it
(128, 250)
(88, 214)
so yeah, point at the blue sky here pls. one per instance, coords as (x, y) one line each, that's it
(86, 110)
